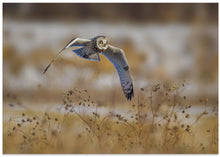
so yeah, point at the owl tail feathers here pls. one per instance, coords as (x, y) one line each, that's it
(83, 54)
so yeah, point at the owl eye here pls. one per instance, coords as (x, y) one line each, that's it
(101, 42)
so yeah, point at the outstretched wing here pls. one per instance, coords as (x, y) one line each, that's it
(86, 50)
(118, 59)
(87, 53)
(79, 42)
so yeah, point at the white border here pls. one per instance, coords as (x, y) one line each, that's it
(92, 1)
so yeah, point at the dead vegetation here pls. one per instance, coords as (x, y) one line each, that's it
(159, 121)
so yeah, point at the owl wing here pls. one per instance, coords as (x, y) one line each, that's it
(117, 57)
(86, 52)
(82, 52)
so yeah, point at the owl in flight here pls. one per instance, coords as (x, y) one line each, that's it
(90, 50)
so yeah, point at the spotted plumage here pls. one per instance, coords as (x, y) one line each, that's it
(90, 50)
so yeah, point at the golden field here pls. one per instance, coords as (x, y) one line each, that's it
(147, 127)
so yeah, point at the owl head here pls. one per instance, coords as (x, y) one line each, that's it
(101, 42)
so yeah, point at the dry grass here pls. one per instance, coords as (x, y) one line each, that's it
(158, 121)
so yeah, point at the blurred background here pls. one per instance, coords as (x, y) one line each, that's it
(162, 42)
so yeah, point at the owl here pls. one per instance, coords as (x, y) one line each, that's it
(90, 49)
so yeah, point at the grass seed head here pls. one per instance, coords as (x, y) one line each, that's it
(187, 116)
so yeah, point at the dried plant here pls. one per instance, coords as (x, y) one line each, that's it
(159, 121)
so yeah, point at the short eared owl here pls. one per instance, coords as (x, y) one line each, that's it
(90, 49)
